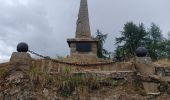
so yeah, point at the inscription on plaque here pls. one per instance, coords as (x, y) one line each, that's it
(83, 47)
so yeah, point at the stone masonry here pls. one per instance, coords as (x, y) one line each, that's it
(83, 35)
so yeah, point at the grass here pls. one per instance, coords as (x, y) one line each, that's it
(138, 86)
(39, 78)
(163, 62)
(2, 72)
(67, 83)
(3, 69)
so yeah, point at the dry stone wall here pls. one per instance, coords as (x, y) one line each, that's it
(53, 67)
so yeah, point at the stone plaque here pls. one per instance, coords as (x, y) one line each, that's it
(83, 47)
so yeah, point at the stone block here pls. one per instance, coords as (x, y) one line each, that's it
(162, 71)
(21, 60)
(144, 60)
(145, 66)
(151, 88)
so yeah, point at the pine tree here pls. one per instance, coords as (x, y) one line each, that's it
(131, 38)
(155, 42)
(101, 52)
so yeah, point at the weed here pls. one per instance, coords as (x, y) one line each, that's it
(67, 82)
(2, 72)
(138, 87)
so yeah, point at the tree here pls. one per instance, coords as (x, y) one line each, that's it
(131, 38)
(168, 46)
(155, 42)
(134, 36)
(101, 52)
(119, 53)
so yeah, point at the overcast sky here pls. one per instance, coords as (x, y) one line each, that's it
(46, 24)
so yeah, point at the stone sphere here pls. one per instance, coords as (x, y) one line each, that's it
(141, 52)
(22, 47)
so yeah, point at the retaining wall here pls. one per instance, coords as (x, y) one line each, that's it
(53, 67)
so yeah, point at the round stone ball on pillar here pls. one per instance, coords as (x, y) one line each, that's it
(141, 52)
(143, 63)
(22, 47)
(21, 60)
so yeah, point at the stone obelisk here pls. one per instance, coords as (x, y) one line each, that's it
(83, 26)
(83, 45)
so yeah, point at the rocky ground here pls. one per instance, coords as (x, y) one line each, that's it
(16, 84)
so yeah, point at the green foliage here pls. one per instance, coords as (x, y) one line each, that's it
(155, 42)
(101, 52)
(168, 46)
(120, 53)
(134, 36)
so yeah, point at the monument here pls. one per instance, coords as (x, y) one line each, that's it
(83, 45)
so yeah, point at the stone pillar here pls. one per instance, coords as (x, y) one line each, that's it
(146, 68)
(20, 61)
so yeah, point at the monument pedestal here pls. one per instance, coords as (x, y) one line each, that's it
(20, 61)
(83, 48)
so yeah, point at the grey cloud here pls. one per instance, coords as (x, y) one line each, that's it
(46, 24)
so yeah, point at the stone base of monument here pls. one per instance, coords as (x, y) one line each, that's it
(20, 61)
(83, 47)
